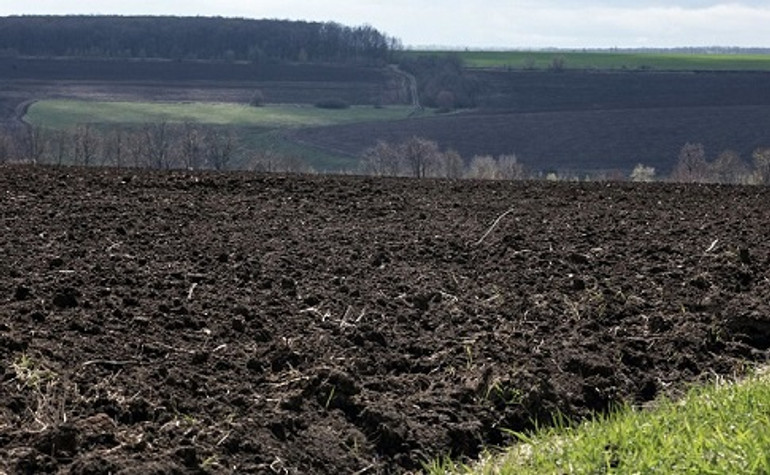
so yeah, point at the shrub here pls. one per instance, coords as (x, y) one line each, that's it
(257, 99)
(445, 101)
(643, 174)
(332, 103)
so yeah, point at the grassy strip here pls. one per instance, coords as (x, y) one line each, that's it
(60, 114)
(715, 429)
(611, 61)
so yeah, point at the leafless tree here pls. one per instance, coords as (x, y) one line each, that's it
(729, 168)
(85, 145)
(383, 159)
(219, 148)
(509, 168)
(192, 146)
(483, 167)
(420, 156)
(451, 165)
(761, 158)
(31, 144)
(691, 166)
(157, 144)
(59, 147)
(5, 146)
(115, 148)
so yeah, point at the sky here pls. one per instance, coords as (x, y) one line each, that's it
(503, 24)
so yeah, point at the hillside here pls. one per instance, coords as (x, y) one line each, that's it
(587, 122)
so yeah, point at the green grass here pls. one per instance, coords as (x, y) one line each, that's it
(612, 60)
(258, 129)
(59, 114)
(715, 429)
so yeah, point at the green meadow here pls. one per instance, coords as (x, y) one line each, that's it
(258, 129)
(610, 60)
(59, 114)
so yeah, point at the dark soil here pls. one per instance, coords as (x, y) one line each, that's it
(572, 141)
(195, 323)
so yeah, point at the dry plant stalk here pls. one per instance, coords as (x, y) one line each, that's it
(494, 225)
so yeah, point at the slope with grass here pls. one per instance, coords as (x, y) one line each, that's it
(714, 428)
(258, 129)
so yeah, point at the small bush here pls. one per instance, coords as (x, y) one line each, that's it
(332, 103)
(257, 99)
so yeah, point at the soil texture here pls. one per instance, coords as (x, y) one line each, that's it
(185, 322)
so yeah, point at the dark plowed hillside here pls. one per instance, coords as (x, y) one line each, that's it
(201, 323)
(535, 91)
(570, 141)
(588, 122)
(161, 70)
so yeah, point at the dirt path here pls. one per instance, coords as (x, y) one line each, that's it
(411, 83)
(242, 323)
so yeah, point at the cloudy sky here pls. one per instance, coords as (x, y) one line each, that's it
(487, 23)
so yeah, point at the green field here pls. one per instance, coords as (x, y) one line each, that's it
(58, 114)
(718, 428)
(610, 60)
(258, 129)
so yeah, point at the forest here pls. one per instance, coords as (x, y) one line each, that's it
(193, 38)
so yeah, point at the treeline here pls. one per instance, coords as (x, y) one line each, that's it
(192, 38)
(422, 158)
(159, 146)
(198, 147)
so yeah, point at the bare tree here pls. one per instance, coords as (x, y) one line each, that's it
(31, 144)
(483, 167)
(192, 146)
(59, 147)
(85, 145)
(761, 158)
(729, 168)
(452, 165)
(157, 144)
(5, 146)
(383, 159)
(115, 148)
(420, 156)
(691, 166)
(509, 168)
(220, 147)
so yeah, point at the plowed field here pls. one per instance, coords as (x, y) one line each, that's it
(241, 323)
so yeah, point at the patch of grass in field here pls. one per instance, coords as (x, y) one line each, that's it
(273, 142)
(720, 428)
(59, 114)
(540, 60)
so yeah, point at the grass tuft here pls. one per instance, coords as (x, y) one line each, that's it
(718, 428)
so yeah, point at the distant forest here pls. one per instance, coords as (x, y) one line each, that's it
(191, 38)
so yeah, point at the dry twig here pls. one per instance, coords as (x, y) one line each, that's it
(494, 225)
